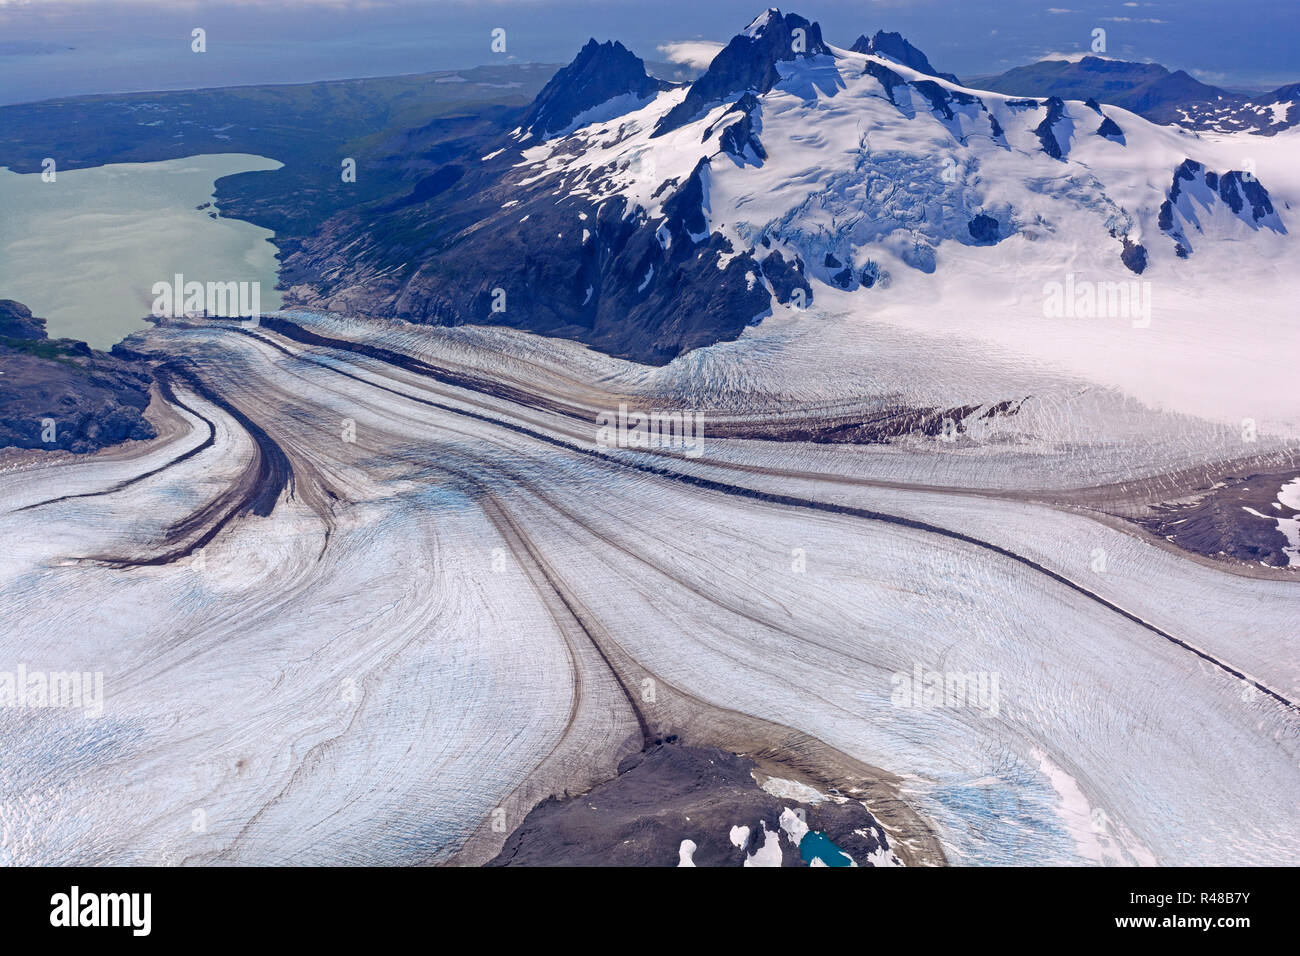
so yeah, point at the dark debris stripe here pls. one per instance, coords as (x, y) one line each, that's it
(168, 394)
(790, 501)
(256, 494)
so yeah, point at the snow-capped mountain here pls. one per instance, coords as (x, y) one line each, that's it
(750, 62)
(1152, 91)
(604, 80)
(648, 221)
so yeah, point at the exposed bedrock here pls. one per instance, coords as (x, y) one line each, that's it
(59, 394)
(671, 793)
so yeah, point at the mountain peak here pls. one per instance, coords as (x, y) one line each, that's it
(748, 62)
(599, 74)
(762, 21)
(894, 46)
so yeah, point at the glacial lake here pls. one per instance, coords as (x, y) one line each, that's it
(817, 845)
(85, 250)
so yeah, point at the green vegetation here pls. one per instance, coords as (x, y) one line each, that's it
(396, 128)
(43, 348)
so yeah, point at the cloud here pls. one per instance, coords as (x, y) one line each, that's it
(1133, 20)
(693, 53)
(1060, 10)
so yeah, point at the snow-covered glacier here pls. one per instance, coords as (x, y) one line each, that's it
(388, 578)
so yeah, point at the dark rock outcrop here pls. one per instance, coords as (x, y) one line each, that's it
(983, 229)
(748, 62)
(17, 321)
(1165, 218)
(1110, 129)
(941, 100)
(1241, 192)
(671, 793)
(599, 73)
(604, 275)
(871, 274)
(1237, 519)
(1044, 130)
(886, 77)
(785, 277)
(60, 394)
(894, 47)
(1134, 256)
(740, 138)
(1187, 171)
(1234, 186)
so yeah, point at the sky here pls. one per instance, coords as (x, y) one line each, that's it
(52, 48)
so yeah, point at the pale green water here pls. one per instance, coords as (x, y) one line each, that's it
(84, 251)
